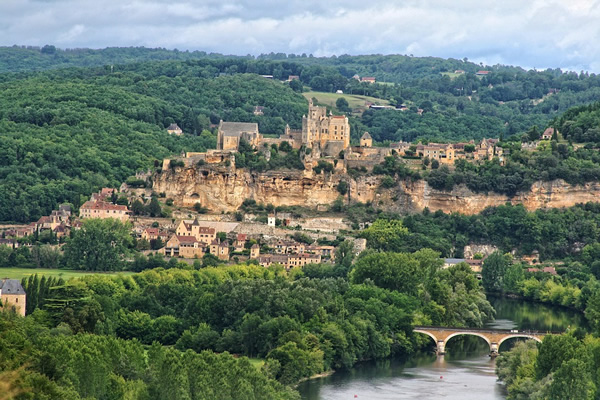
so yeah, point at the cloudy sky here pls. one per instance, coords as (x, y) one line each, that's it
(529, 33)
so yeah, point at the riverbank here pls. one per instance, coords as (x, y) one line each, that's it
(466, 372)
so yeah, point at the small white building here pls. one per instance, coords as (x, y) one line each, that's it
(271, 220)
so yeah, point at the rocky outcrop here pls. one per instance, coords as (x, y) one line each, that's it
(224, 189)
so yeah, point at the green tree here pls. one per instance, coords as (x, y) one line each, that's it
(395, 271)
(100, 245)
(153, 208)
(493, 270)
(342, 104)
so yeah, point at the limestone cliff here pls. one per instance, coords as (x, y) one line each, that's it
(224, 189)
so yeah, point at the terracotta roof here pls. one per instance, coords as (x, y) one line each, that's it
(102, 205)
(186, 239)
(151, 231)
(206, 229)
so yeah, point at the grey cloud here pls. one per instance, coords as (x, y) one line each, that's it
(539, 33)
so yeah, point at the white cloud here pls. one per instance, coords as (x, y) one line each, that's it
(540, 33)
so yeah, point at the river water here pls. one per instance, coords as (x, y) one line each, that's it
(465, 372)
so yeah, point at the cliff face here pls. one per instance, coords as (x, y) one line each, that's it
(553, 194)
(225, 189)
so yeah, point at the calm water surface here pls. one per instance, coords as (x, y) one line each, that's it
(465, 372)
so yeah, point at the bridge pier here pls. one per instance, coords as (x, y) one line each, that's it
(441, 347)
(494, 349)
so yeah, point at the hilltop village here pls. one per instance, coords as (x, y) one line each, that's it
(326, 137)
(282, 238)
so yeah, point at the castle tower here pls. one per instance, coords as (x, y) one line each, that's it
(323, 129)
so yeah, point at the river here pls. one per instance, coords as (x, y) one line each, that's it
(465, 372)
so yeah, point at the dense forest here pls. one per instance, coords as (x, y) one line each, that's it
(301, 323)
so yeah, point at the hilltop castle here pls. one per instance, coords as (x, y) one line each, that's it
(329, 133)
(324, 134)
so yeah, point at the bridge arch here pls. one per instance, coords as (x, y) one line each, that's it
(487, 340)
(431, 335)
(518, 335)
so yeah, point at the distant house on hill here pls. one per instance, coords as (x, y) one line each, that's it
(259, 110)
(482, 73)
(174, 129)
(293, 78)
(368, 79)
(547, 135)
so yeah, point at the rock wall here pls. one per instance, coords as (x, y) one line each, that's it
(224, 189)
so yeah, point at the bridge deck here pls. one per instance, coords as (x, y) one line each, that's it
(484, 330)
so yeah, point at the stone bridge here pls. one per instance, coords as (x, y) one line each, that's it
(493, 337)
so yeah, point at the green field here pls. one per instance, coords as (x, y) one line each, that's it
(452, 75)
(257, 362)
(354, 101)
(19, 273)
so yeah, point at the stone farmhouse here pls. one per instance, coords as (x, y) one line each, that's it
(174, 129)
(12, 296)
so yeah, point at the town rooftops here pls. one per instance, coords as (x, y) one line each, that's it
(102, 205)
(11, 286)
(152, 231)
(237, 128)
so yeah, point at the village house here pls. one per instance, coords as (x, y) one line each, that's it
(12, 296)
(323, 251)
(368, 79)
(254, 251)
(219, 250)
(183, 246)
(258, 110)
(203, 234)
(240, 242)
(289, 260)
(102, 209)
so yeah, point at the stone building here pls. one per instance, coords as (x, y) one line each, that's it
(12, 296)
(366, 140)
(229, 135)
(203, 234)
(183, 246)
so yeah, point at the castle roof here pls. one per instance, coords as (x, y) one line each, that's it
(237, 128)
(11, 286)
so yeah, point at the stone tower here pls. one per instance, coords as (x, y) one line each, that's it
(331, 133)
